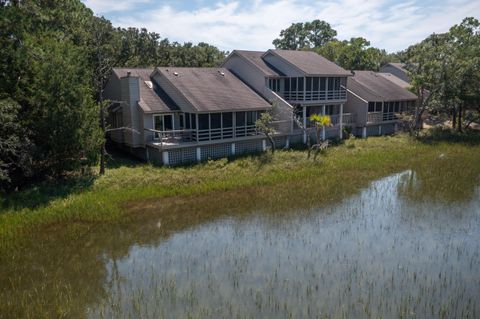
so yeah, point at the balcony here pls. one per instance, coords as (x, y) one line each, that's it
(336, 95)
(379, 117)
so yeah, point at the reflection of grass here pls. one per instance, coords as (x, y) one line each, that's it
(341, 170)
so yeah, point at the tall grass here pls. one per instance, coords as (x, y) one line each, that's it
(103, 199)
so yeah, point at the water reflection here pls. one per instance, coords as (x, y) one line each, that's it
(399, 247)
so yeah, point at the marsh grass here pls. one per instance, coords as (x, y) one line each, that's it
(102, 199)
(258, 236)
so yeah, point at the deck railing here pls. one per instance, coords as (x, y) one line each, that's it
(378, 117)
(316, 95)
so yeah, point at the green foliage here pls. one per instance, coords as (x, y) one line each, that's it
(306, 35)
(321, 120)
(355, 54)
(56, 57)
(445, 70)
(15, 145)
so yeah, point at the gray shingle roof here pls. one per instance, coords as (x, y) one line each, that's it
(255, 57)
(310, 62)
(151, 99)
(371, 86)
(213, 89)
(400, 66)
(395, 80)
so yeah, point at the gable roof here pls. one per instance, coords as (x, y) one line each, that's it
(396, 80)
(152, 99)
(310, 62)
(255, 58)
(371, 86)
(398, 65)
(213, 89)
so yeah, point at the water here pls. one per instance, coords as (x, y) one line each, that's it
(404, 246)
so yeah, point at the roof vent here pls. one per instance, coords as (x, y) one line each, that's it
(128, 73)
(149, 84)
(221, 73)
(175, 73)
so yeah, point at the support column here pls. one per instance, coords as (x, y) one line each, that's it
(341, 121)
(199, 154)
(364, 132)
(287, 143)
(264, 145)
(233, 149)
(305, 124)
(165, 158)
(323, 128)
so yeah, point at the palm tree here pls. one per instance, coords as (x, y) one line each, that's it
(320, 121)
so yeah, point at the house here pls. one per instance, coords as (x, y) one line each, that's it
(172, 115)
(180, 115)
(397, 69)
(376, 100)
(304, 80)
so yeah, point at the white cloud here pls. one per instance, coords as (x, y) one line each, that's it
(106, 6)
(254, 24)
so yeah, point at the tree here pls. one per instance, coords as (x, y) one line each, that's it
(15, 145)
(445, 70)
(320, 121)
(354, 54)
(306, 35)
(264, 125)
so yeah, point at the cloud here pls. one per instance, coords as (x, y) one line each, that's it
(107, 6)
(254, 24)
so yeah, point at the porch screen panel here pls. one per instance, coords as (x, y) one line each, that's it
(227, 121)
(203, 122)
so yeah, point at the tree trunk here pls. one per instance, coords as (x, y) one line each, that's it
(454, 118)
(459, 124)
(102, 148)
(272, 142)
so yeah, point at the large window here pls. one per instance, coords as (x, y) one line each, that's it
(371, 106)
(162, 122)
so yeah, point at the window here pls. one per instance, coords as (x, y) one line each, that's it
(240, 119)
(215, 120)
(193, 120)
(168, 122)
(251, 117)
(300, 84)
(397, 107)
(331, 85)
(181, 121)
(293, 82)
(371, 106)
(157, 124)
(322, 84)
(203, 120)
(286, 85)
(378, 107)
(227, 120)
(315, 84)
(309, 84)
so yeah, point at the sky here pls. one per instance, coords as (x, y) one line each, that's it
(253, 24)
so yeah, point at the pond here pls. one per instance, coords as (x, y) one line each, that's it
(406, 245)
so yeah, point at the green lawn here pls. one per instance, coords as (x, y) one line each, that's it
(104, 199)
